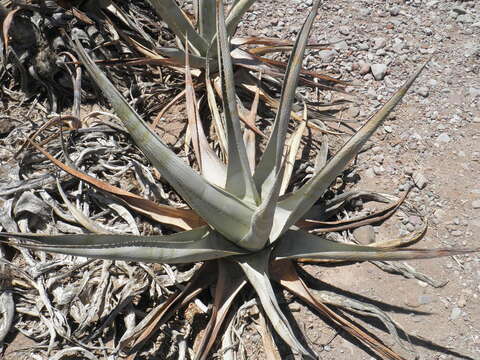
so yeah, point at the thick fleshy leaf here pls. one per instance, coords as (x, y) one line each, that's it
(296, 244)
(255, 267)
(239, 179)
(226, 213)
(207, 19)
(176, 20)
(190, 246)
(239, 8)
(298, 203)
(271, 161)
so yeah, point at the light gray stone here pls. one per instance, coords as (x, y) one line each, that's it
(455, 314)
(327, 55)
(444, 138)
(379, 71)
(476, 204)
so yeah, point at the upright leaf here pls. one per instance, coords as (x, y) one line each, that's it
(239, 8)
(176, 20)
(296, 205)
(227, 214)
(255, 267)
(270, 163)
(207, 19)
(239, 179)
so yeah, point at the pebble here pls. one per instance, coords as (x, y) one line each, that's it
(476, 204)
(419, 180)
(474, 92)
(369, 173)
(363, 46)
(443, 137)
(379, 43)
(378, 170)
(455, 314)
(410, 227)
(379, 71)
(476, 120)
(365, 234)
(327, 55)
(364, 68)
(457, 233)
(394, 11)
(425, 299)
(422, 91)
(6, 126)
(462, 301)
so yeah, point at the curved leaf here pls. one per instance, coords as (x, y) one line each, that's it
(255, 267)
(295, 244)
(271, 160)
(227, 214)
(239, 178)
(299, 202)
(179, 24)
(189, 246)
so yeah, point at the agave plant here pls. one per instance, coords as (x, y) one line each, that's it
(252, 232)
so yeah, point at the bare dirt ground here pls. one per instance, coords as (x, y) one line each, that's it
(434, 134)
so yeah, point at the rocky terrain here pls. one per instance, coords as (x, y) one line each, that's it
(432, 140)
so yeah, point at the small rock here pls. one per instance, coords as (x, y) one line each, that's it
(459, 10)
(394, 11)
(378, 170)
(365, 11)
(476, 120)
(344, 30)
(419, 180)
(379, 71)
(327, 55)
(369, 173)
(388, 129)
(474, 92)
(439, 214)
(364, 234)
(410, 227)
(363, 46)
(364, 68)
(415, 220)
(443, 137)
(6, 125)
(422, 91)
(476, 204)
(425, 299)
(341, 45)
(455, 314)
(379, 43)
(462, 301)
(457, 233)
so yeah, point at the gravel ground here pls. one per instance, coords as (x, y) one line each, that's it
(431, 140)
